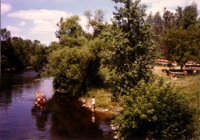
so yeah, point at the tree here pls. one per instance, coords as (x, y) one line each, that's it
(70, 32)
(6, 54)
(20, 54)
(131, 47)
(75, 65)
(158, 29)
(39, 57)
(158, 108)
(75, 69)
(168, 19)
(183, 44)
(96, 21)
(7, 50)
(190, 14)
(65, 65)
(5, 34)
(195, 42)
(53, 47)
(179, 17)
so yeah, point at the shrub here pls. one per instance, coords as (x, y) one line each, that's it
(157, 108)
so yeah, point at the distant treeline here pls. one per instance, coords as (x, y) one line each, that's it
(177, 34)
(18, 54)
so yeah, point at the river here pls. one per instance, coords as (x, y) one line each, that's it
(63, 118)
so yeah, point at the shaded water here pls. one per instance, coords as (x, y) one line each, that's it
(63, 118)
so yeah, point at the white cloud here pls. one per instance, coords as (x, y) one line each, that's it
(5, 7)
(83, 22)
(43, 14)
(22, 23)
(43, 26)
(13, 30)
(44, 20)
(171, 5)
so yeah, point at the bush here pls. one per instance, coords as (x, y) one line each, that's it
(157, 108)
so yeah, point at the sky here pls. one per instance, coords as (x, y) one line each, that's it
(37, 19)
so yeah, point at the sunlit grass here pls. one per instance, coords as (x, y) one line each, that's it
(189, 83)
(102, 96)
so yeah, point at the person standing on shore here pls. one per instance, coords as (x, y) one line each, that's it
(93, 103)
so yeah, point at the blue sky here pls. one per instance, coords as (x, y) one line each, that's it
(36, 19)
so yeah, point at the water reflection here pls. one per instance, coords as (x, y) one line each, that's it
(41, 116)
(5, 98)
(60, 118)
(93, 116)
(13, 83)
(16, 102)
(70, 120)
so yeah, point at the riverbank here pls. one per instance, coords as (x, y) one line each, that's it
(188, 83)
(103, 102)
(108, 111)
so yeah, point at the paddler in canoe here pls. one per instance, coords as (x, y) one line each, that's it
(40, 99)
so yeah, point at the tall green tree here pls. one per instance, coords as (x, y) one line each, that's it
(183, 44)
(76, 64)
(190, 14)
(168, 19)
(70, 32)
(6, 49)
(182, 40)
(18, 53)
(183, 18)
(53, 47)
(132, 48)
(39, 57)
(158, 29)
(179, 17)
(75, 69)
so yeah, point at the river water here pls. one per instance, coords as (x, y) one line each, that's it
(63, 118)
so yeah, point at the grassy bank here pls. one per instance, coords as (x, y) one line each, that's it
(189, 85)
(103, 101)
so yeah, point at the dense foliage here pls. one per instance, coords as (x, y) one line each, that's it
(158, 108)
(131, 49)
(76, 64)
(176, 34)
(17, 53)
(184, 44)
